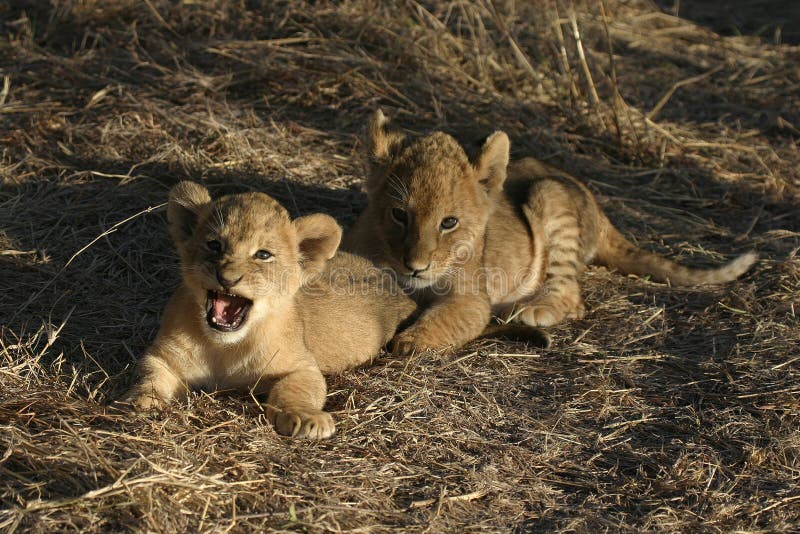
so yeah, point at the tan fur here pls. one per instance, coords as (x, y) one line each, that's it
(313, 311)
(525, 233)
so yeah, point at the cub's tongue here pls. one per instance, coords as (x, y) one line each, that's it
(226, 309)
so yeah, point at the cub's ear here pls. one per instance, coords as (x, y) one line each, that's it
(187, 200)
(382, 146)
(318, 236)
(490, 166)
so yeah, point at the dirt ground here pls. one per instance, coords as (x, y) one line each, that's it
(664, 409)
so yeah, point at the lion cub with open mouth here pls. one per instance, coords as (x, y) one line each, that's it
(265, 304)
(472, 236)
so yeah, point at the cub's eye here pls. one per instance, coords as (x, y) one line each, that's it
(264, 255)
(399, 216)
(448, 223)
(214, 245)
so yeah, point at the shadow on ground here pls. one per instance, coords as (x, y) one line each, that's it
(772, 20)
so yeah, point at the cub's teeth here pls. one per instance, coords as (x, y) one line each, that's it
(214, 320)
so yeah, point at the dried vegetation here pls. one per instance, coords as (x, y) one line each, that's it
(663, 410)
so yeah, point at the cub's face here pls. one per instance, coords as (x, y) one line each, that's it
(242, 256)
(431, 203)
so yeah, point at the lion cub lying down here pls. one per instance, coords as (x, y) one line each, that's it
(265, 304)
(476, 236)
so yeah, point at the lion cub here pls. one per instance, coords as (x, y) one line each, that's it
(265, 304)
(476, 236)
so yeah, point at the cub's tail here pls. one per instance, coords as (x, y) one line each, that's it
(618, 253)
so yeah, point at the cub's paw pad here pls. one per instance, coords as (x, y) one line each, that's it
(301, 424)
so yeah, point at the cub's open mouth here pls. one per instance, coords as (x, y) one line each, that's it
(226, 312)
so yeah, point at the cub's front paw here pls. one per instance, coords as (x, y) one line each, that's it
(143, 401)
(540, 315)
(403, 344)
(412, 341)
(301, 424)
(549, 314)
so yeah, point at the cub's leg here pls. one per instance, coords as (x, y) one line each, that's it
(294, 406)
(456, 319)
(158, 384)
(556, 221)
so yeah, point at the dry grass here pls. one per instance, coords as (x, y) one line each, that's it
(664, 409)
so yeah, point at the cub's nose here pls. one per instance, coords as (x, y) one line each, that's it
(227, 283)
(415, 266)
